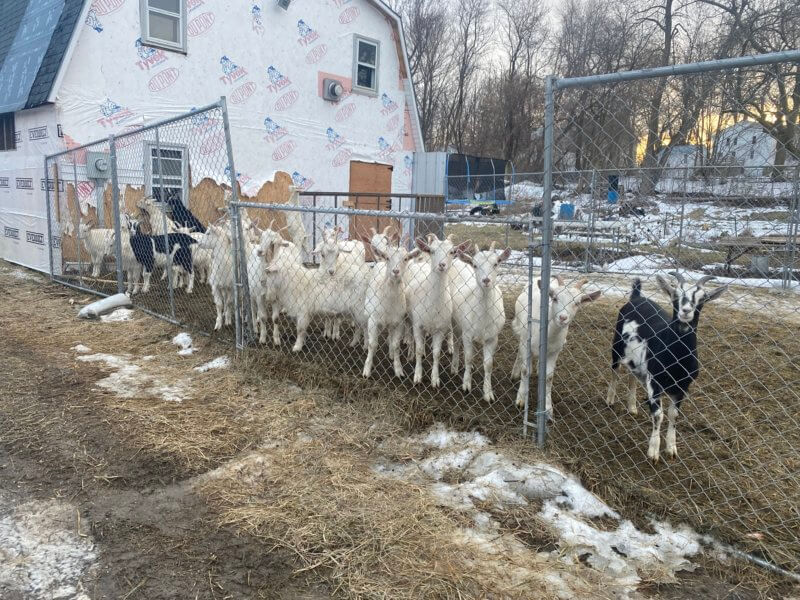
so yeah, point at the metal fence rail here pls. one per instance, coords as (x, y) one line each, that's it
(673, 170)
(313, 285)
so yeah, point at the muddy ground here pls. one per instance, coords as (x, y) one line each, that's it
(104, 494)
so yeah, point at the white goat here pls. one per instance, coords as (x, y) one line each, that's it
(385, 302)
(565, 301)
(478, 311)
(296, 293)
(221, 275)
(429, 300)
(99, 243)
(380, 242)
(342, 277)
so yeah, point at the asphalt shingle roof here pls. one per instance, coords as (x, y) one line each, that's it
(13, 19)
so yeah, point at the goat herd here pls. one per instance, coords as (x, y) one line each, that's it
(436, 289)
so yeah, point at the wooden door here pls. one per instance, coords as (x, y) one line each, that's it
(375, 180)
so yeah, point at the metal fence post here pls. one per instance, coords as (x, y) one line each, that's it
(590, 245)
(49, 214)
(115, 211)
(80, 218)
(241, 289)
(547, 233)
(164, 224)
(794, 224)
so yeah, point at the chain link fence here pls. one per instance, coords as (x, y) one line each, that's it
(393, 301)
(394, 295)
(690, 170)
(130, 213)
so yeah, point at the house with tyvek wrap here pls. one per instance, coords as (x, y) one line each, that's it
(75, 71)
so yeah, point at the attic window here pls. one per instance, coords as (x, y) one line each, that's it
(7, 139)
(164, 23)
(365, 65)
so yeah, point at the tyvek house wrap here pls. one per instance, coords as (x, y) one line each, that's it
(270, 64)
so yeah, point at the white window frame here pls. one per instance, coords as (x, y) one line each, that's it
(149, 176)
(144, 11)
(376, 66)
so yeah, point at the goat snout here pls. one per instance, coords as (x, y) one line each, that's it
(395, 272)
(442, 266)
(563, 319)
(331, 271)
(487, 281)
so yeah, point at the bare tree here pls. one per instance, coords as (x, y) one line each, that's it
(427, 40)
(471, 40)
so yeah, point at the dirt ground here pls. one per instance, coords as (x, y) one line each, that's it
(125, 479)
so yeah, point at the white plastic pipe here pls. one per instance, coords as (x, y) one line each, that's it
(106, 305)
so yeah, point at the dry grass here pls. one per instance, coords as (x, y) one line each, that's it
(306, 481)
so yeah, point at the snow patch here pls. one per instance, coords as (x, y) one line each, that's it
(81, 349)
(131, 381)
(20, 274)
(221, 362)
(622, 555)
(184, 340)
(119, 315)
(41, 555)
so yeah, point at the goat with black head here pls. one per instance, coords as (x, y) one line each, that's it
(660, 351)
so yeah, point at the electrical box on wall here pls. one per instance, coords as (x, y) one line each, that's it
(332, 89)
(98, 165)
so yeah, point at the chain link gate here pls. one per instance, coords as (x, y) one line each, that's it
(693, 170)
(129, 213)
(327, 300)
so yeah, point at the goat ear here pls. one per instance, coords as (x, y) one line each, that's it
(413, 254)
(380, 254)
(465, 257)
(504, 256)
(590, 297)
(423, 245)
(665, 286)
(463, 246)
(552, 293)
(714, 294)
(372, 230)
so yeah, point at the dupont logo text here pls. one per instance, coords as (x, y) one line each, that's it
(24, 183)
(200, 24)
(243, 92)
(349, 15)
(51, 185)
(11, 232)
(3, 182)
(284, 150)
(317, 53)
(286, 100)
(213, 144)
(163, 79)
(106, 7)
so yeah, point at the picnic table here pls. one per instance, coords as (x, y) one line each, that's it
(736, 247)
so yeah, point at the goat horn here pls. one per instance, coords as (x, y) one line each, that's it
(271, 223)
(449, 238)
(374, 232)
(582, 283)
(560, 280)
(678, 276)
(477, 248)
(386, 230)
(492, 245)
(704, 279)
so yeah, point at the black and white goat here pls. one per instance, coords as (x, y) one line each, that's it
(152, 250)
(660, 351)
